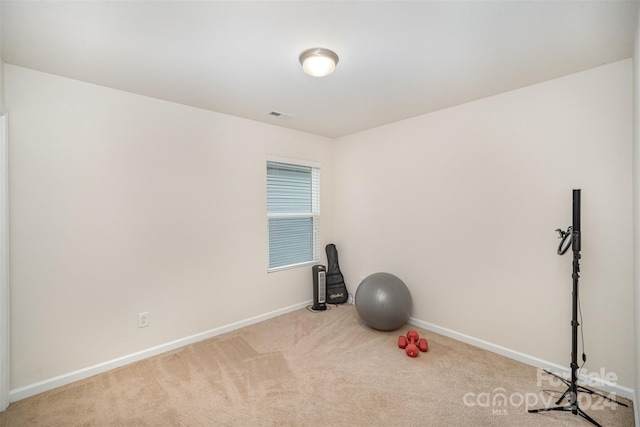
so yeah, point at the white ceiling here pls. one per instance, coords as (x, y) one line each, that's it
(398, 59)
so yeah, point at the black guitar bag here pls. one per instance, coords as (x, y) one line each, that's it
(336, 288)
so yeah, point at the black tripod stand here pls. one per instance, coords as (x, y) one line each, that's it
(571, 238)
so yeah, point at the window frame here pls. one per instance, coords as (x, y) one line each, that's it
(314, 214)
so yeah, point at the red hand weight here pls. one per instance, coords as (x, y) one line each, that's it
(413, 344)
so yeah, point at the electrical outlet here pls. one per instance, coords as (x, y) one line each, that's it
(143, 319)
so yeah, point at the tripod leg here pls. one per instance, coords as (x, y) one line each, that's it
(564, 395)
(588, 418)
(595, 393)
(553, 408)
(568, 408)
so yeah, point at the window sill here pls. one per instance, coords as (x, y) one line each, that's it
(289, 267)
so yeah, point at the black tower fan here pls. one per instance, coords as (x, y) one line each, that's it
(319, 287)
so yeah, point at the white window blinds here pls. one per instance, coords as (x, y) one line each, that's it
(293, 212)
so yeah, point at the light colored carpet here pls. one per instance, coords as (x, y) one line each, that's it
(311, 369)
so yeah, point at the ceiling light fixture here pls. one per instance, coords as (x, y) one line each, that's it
(318, 62)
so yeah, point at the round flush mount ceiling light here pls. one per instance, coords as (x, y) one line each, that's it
(318, 62)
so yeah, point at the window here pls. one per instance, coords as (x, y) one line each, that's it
(293, 213)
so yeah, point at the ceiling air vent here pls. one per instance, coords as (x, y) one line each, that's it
(280, 115)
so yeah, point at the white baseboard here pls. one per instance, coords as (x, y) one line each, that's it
(61, 380)
(562, 371)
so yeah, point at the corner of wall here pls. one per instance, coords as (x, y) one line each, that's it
(636, 212)
(4, 265)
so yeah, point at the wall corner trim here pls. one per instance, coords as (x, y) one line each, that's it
(4, 263)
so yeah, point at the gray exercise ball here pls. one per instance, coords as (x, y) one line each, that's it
(383, 301)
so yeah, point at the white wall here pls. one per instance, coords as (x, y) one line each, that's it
(636, 211)
(462, 205)
(1, 68)
(122, 204)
